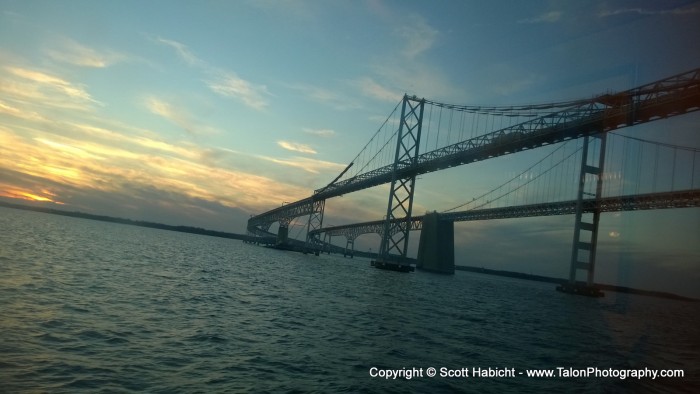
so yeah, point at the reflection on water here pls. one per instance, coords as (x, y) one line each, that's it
(91, 306)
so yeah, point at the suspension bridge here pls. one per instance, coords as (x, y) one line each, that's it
(587, 170)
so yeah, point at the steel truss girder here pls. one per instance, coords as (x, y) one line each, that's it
(398, 215)
(669, 97)
(641, 202)
(672, 96)
(284, 214)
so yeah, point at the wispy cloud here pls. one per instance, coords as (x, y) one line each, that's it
(307, 164)
(371, 88)
(178, 116)
(510, 79)
(222, 82)
(419, 77)
(319, 132)
(296, 147)
(134, 164)
(325, 96)
(299, 9)
(417, 35)
(71, 52)
(547, 17)
(644, 11)
(41, 88)
(184, 52)
(230, 85)
(8, 109)
(406, 69)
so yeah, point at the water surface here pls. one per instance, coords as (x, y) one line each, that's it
(89, 306)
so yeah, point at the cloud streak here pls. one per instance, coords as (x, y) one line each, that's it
(369, 87)
(71, 162)
(224, 83)
(178, 116)
(296, 147)
(319, 132)
(643, 11)
(182, 51)
(228, 84)
(38, 87)
(325, 96)
(307, 164)
(547, 17)
(417, 35)
(73, 156)
(72, 52)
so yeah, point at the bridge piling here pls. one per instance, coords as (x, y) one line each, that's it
(436, 250)
(349, 244)
(282, 236)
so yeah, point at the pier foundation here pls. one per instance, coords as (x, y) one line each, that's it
(436, 250)
(282, 235)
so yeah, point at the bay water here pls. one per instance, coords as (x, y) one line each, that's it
(89, 306)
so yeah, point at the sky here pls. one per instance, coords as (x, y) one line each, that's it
(203, 113)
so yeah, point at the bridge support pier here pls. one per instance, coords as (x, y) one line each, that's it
(282, 235)
(349, 244)
(436, 250)
(585, 243)
(328, 241)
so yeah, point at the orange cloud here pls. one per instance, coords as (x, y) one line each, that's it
(28, 195)
(43, 85)
(116, 162)
(54, 145)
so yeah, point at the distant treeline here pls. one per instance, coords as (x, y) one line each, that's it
(540, 278)
(141, 223)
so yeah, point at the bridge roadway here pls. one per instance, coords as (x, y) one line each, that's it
(676, 199)
(672, 96)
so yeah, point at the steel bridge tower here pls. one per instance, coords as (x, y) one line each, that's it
(397, 222)
(315, 222)
(585, 242)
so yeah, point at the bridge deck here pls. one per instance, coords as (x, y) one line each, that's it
(669, 97)
(678, 199)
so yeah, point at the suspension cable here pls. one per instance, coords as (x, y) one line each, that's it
(514, 178)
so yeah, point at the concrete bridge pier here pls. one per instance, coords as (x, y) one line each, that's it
(436, 250)
(282, 235)
(349, 244)
(328, 239)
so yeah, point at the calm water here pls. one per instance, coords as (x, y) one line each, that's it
(98, 307)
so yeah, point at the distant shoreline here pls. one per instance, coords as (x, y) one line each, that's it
(243, 237)
(548, 279)
(140, 223)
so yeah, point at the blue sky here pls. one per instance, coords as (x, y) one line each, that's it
(202, 113)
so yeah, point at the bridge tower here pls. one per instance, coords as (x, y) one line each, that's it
(397, 222)
(313, 243)
(583, 251)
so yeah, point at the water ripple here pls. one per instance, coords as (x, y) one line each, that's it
(98, 307)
